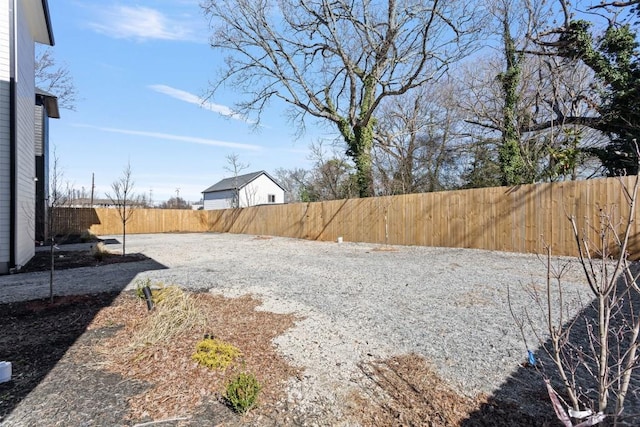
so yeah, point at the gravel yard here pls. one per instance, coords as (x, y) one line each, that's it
(359, 302)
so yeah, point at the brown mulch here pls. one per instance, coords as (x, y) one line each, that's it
(37, 337)
(408, 392)
(83, 342)
(179, 384)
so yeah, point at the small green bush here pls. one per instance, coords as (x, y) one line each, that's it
(242, 392)
(215, 354)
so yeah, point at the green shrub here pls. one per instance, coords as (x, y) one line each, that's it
(215, 354)
(242, 392)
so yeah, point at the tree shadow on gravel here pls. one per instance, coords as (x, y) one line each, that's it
(525, 389)
(36, 334)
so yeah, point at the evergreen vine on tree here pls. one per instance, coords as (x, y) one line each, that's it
(613, 56)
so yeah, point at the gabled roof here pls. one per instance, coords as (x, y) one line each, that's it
(237, 182)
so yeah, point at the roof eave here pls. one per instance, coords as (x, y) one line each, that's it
(39, 19)
(47, 19)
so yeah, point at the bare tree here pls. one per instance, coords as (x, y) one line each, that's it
(416, 137)
(175, 203)
(56, 198)
(337, 60)
(124, 200)
(332, 176)
(142, 201)
(596, 365)
(557, 152)
(295, 183)
(55, 78)
(502, 92)
(235, 167)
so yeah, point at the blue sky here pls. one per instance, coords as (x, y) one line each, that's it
(141, 69)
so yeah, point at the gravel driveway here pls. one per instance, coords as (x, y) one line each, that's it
(359, 301)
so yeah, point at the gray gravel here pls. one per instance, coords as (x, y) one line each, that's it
(359, 301)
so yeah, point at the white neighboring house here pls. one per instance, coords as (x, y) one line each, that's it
(22, 24)
(257, 188)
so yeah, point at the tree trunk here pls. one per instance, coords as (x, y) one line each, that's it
(53, 262)
(124, 230)
(512, 165)
(363, 141)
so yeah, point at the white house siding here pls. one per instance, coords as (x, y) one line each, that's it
(25, 155)
(5, 172)
(218, 200)
(257, 192)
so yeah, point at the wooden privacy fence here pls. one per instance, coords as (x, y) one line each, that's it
(514, 219)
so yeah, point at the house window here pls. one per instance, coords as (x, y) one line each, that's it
(272, 198)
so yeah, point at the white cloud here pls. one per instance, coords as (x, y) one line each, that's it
(181, 138)
(194, 99)
(143, 23)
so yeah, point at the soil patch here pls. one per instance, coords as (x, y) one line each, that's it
(75, 259)
(36, 335)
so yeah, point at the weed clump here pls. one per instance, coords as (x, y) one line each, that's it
(140, 285)
(242, 392)
(159, 291)
(215, 354)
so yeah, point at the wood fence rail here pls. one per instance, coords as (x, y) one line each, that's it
(514, 219)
